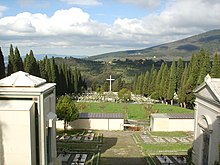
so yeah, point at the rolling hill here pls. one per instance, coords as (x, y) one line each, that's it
(174, 50)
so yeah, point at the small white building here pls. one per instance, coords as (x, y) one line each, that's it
(172, 122)
(99, 121)
(206, 146)
(27, 120)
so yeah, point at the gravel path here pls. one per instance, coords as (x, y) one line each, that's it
(119, 149)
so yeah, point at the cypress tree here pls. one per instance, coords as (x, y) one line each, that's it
(146, 83)
(48, 69)
(27, 64)
(31, 65)
(182, 89)
(2, 65)
(10, 61)
(76, 81)
(17, 63)
(215, 72)
(153, 76)
(54, 70)
(179, 72)
(205, 68)
(172, 82)
(134, 87)
(158, 90)
(163, 83)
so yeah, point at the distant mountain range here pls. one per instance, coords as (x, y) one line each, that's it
(174, 50)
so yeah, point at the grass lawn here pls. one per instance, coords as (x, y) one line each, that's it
(134, 111)
(171, 134)
(170, 148)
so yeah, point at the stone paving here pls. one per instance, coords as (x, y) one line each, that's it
(119, 148)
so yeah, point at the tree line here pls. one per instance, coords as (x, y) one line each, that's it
(67, 79)
(180, 78)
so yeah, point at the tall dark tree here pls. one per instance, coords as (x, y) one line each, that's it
(17, 61)
(48, 69)
(158, 89)
(163, 83)
(42, 69)
(146, 83)
(215, 72)
(172, 82)
(179, 72)
(30, 64)
(10, 61)
(118, 84)
(182, 92)
(205, 68)
(54, 70)
(2, 65)
(153, 77)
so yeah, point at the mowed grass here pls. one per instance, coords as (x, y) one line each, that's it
(171, 134)
(133, 111)
(170, 148)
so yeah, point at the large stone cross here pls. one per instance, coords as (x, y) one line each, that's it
(110, 80)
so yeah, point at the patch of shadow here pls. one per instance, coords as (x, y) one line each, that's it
(109, 142)
(188, 47)
(210, 38)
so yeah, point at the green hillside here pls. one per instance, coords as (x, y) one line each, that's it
(183, 48)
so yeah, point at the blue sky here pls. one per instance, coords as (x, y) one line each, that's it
(90, 27)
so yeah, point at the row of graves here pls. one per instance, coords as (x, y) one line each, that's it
(80, 147)
(173, 158)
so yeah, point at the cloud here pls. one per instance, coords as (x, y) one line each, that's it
(142, 3)
(83, 2)
(2, 9)
(73, 31)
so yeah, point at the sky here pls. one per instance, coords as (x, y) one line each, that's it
(91, 27)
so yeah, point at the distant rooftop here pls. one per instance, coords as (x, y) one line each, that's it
(101, 116)
(174, 115)
(21, 79)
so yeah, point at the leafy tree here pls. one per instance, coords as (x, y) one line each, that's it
(100, 90)
(2, 65)
(66, 110)
(124, 94)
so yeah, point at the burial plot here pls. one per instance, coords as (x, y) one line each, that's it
(180, 159)
(164, 160)
(64, 157)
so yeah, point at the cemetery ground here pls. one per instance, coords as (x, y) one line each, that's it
(131, 111)
(125, 147)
